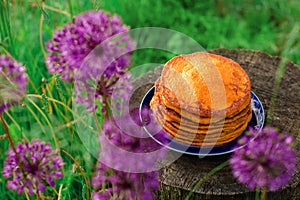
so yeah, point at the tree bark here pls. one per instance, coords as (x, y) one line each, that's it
(180, 177)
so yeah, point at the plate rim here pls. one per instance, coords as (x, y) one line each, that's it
(191, 146)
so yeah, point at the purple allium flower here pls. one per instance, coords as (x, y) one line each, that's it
(76, 40)
(127, 161)
(33, 168)
(268, 161)
(94, 51)
(123, 137)
(13, 82)
(114, 184)
(109, 92)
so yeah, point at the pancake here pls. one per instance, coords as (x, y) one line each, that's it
(203, 127)
(189, 104)
(169, 116)
(203, 130)
(211, 138)
(181, 76)
(162, 93)
(190, 118)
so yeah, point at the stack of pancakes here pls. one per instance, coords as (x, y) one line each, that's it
(202, 99)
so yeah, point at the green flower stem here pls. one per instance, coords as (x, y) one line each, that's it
(5, 27)
(48, 92)
(47, 121)
(264, 194)
(257, 192)
(6, 131)
(96, 121)
(36, 118)
(13, 120)
(71, 8)
(212, 172)
(11, 142)
(106, 99)
(81, 171)
(65, 106)
(57, 10)
(41, 28)
(16, 124)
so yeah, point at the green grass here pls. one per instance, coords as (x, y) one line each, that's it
(264, 25)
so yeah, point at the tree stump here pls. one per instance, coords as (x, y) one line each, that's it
(180, 177)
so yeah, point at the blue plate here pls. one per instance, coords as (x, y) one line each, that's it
(162, 137)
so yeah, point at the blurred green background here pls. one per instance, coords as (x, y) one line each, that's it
(264, 25)
(271, 26)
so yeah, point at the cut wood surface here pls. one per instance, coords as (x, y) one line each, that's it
(178, 178)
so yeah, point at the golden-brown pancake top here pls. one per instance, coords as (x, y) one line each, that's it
(205, 83)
